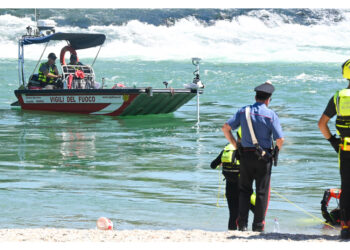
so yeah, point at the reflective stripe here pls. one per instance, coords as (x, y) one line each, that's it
(336, 102)
(339, 158)
(341, 126)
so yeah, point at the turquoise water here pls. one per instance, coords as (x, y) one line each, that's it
(152, 172)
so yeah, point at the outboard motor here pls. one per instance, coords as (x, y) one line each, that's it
(46, 27)
(43, 28)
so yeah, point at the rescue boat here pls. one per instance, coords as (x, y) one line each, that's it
(81, 93)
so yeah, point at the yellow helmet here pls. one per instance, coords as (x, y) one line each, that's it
(346, 69)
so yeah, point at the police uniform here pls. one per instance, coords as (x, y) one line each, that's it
(229, 159)
(266, 125)
(339, 105)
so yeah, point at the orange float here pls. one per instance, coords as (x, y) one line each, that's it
(64, 51)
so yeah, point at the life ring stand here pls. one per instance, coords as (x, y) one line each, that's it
(63, 53)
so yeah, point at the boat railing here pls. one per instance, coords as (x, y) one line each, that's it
(71, 69)
(89, 76)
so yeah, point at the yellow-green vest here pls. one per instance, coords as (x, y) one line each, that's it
(342, 106)
(227, 156)
(43, 78)
(228, 153)
(230, 164)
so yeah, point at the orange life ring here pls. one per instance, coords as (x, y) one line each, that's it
(63, 52)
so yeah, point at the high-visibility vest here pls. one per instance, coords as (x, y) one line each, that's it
(227, 157)
(228, 154)
(342, 106)
(43, 78)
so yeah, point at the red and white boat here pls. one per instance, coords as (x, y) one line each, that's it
(82, 94)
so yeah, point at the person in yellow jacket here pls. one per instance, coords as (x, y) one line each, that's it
(48, 73)
(229, 160)
(339, 105)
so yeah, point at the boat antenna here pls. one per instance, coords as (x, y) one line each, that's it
(196, 62)
(37, 15)
(36, 18)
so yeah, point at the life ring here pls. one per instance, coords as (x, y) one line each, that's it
(63, 53)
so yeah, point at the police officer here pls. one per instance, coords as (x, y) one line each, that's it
(48, 73)
(266, 125)
(339, 105)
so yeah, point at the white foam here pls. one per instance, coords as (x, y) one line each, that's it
(243, 39)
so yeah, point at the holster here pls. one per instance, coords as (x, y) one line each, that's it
(262, 154)
(275, 154)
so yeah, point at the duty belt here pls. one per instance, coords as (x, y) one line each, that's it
(251, 149)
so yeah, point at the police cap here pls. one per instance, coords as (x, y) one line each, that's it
(266, 87)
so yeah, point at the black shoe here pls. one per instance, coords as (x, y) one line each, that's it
(345, 234)
(232, 227)
(259, 227)
(243, 228)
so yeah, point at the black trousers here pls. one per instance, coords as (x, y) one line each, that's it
(232, 196)
(344, 164)
(259, 171)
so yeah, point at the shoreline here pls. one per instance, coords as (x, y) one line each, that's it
(152, 236)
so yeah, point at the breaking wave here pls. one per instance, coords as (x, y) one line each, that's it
(232, 36)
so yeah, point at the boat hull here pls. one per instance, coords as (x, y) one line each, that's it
(113, 102)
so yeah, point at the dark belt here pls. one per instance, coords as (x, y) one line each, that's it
(251, 149)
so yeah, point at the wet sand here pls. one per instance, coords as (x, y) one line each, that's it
(166, 236)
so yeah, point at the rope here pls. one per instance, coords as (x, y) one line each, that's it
(219, 191)
(301, 209)
(40, 58)
(279, 195)
(98, 52)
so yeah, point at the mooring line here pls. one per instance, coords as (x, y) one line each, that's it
(301, 209)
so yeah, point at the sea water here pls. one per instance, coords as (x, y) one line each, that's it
(152, 172)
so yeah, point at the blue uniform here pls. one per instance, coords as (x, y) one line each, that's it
(265, 123)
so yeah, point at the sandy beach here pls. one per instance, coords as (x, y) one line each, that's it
(166, 236)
